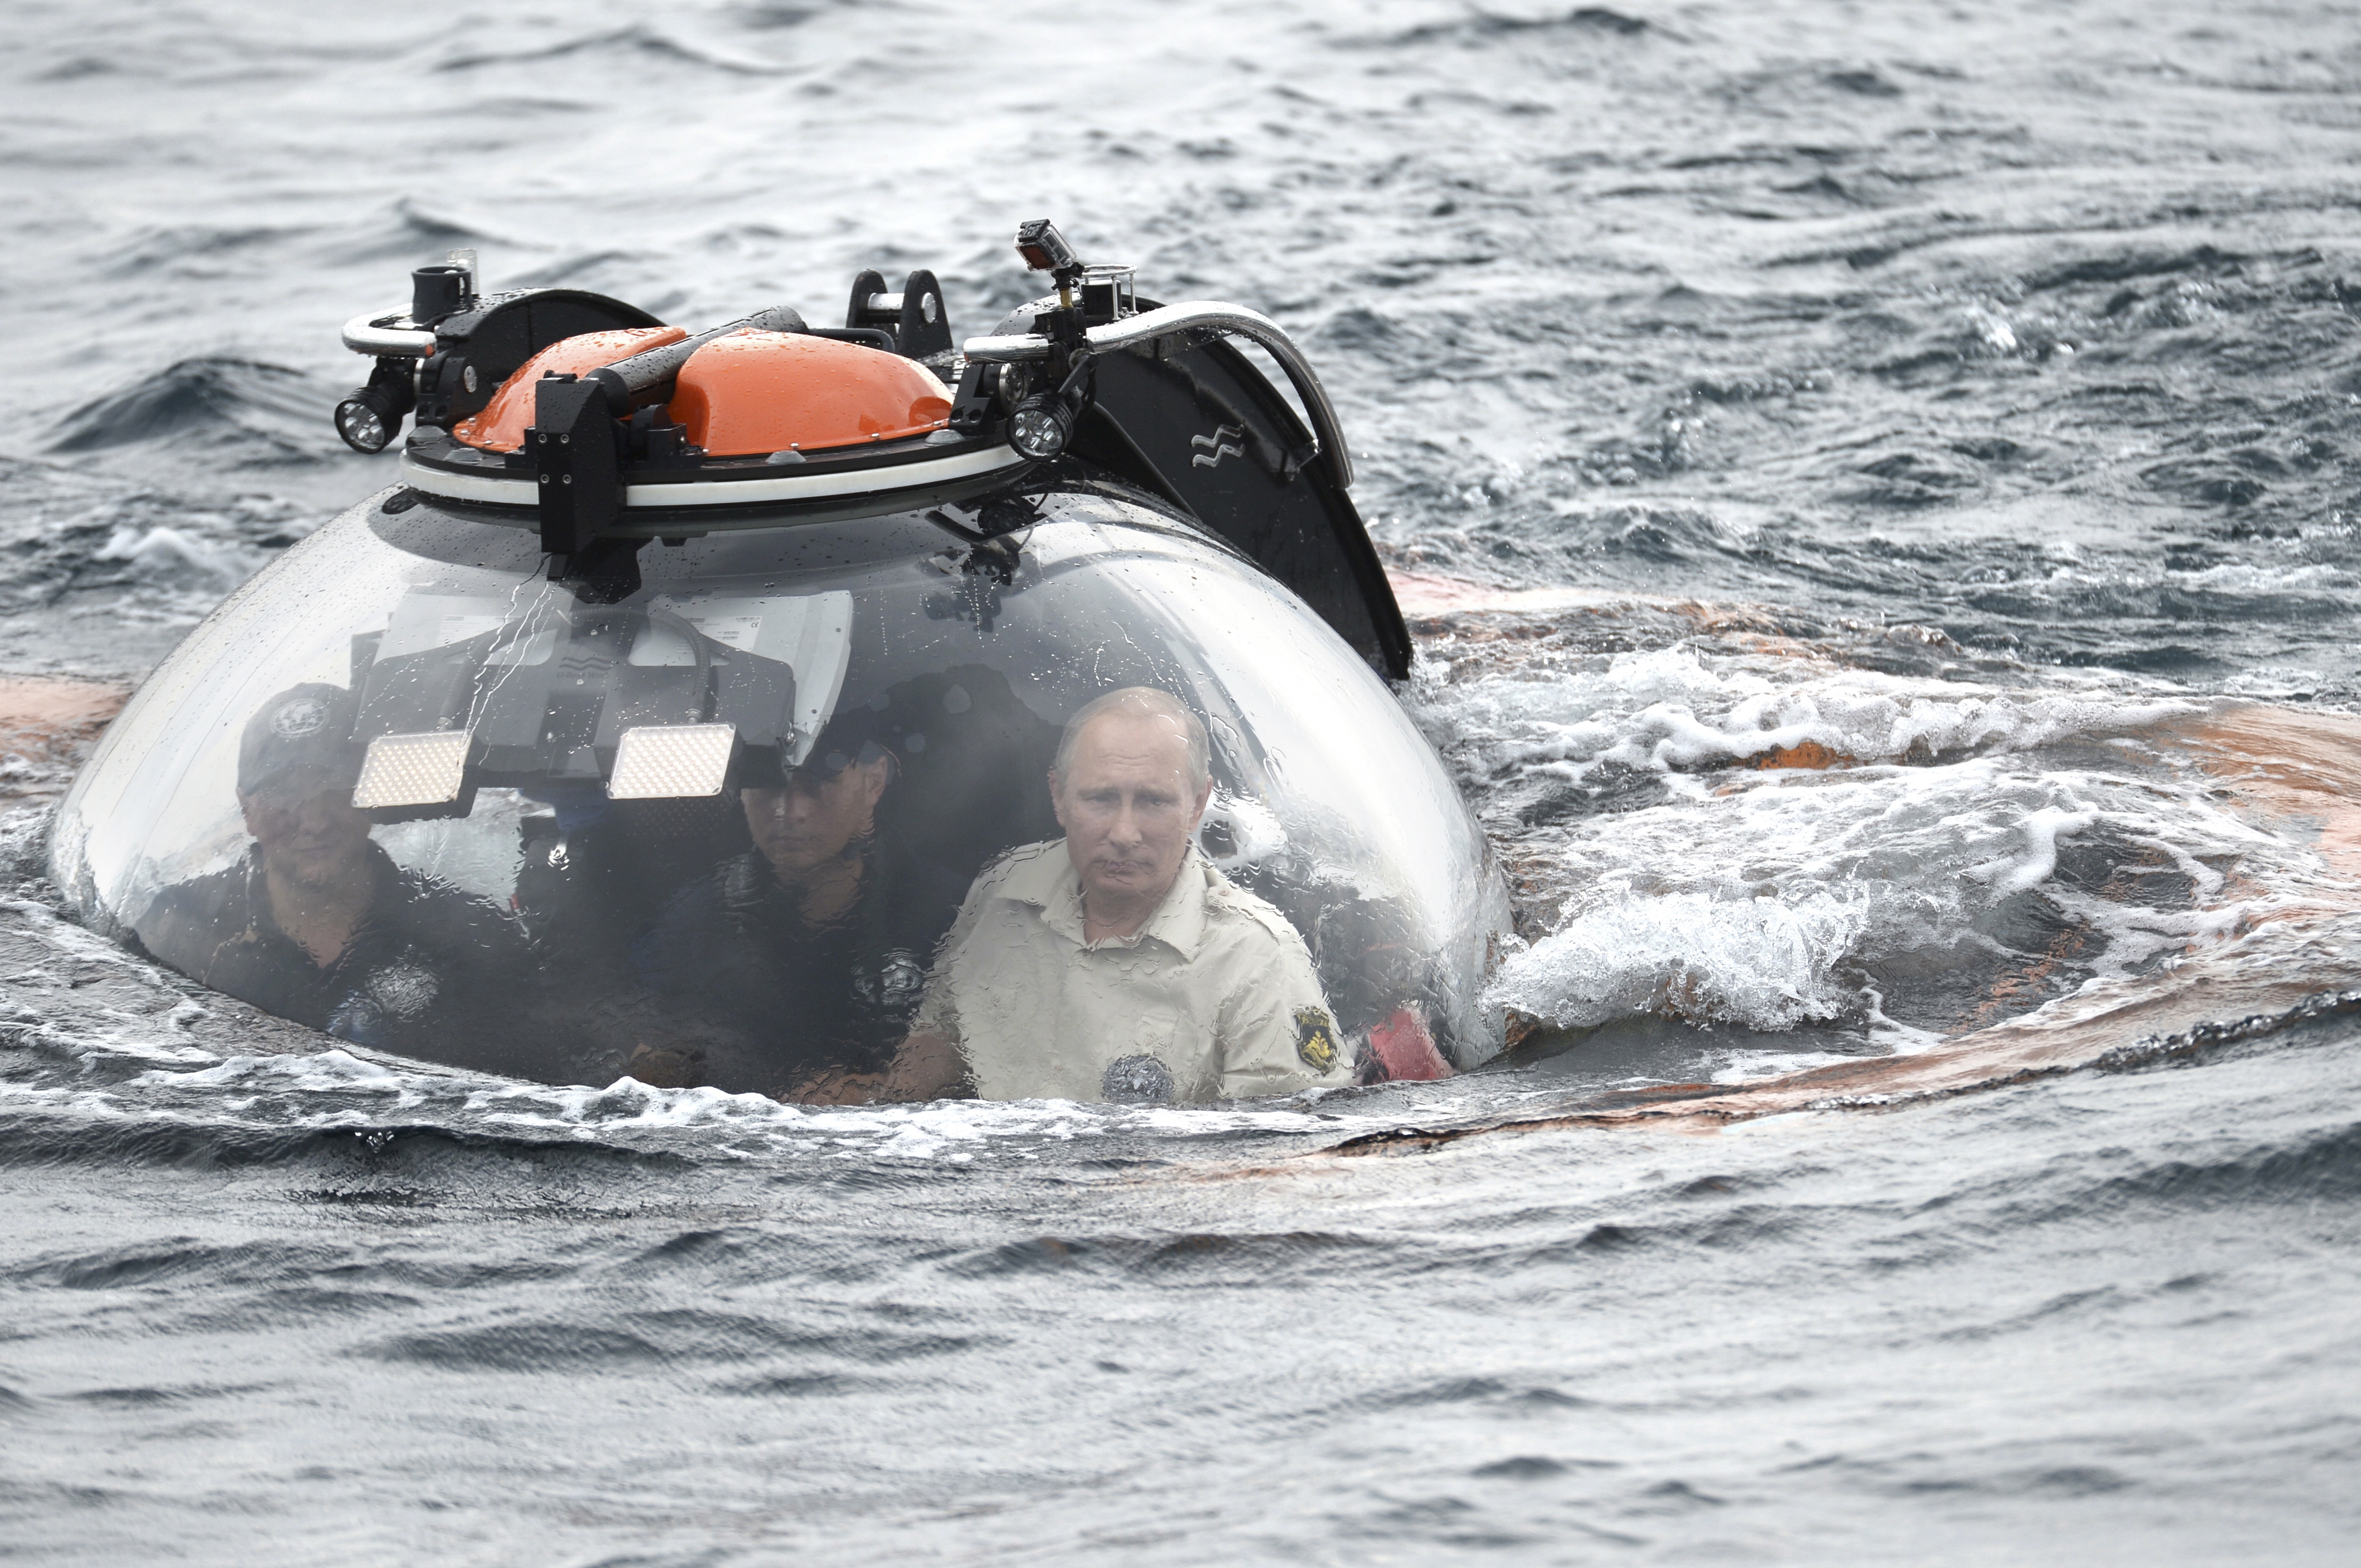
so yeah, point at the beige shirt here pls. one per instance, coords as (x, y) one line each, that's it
(1215, 999)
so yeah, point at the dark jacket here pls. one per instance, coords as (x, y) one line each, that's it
(423, 977)
(770, 1000)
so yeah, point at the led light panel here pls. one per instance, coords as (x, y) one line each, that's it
(413, 770)
(671, 762)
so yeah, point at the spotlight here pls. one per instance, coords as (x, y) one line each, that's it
(371, 417)
(365, 426)
(1041, 425)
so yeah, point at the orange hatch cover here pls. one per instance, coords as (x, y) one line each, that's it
(773, 391)
(502, 426)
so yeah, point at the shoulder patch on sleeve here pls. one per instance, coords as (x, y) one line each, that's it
(1315, 1038)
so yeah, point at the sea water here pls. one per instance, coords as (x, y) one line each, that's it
(1875, 490)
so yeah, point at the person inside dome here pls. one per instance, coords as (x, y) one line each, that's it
(1116, 964)
(315, 921)
(805, 954)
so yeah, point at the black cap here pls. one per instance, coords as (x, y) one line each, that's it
(303, 736)
(862, 733)
(833, 755)
(856, 734)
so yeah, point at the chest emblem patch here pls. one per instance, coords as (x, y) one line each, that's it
(404, 989)
(1315, 1038)
(901, 978)
(1142, 1079)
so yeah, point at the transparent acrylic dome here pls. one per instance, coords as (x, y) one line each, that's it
(548, 781)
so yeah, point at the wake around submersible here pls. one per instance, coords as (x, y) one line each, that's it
(634, 581)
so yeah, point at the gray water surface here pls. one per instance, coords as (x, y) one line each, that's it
(1966, 390)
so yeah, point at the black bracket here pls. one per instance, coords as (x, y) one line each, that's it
(605, 571)
(920, 329)
(577, 467)
(858, 313)
(925, 330)
(971, 404)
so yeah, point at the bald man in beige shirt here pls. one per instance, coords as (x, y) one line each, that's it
(1117, 963)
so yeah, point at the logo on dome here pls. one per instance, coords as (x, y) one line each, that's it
(304, 716)
(1223, 443)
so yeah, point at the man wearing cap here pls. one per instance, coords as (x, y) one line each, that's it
(1117, 963)
(807, 954)
(316, 924)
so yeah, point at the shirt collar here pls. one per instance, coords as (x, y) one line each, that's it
(1050, 882)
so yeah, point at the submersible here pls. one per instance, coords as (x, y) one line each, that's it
(629, 572)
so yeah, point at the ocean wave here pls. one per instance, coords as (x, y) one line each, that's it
(1766, 842)
(1765, 963)
(639, 44)
(232, 411)
(1677, 709)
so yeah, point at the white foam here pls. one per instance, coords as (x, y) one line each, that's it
(1760, 963)
(1673, 709)
(944, 1130)
(1753, 1066)
(2037, 861)
(1752, 898)
(324, 1072)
